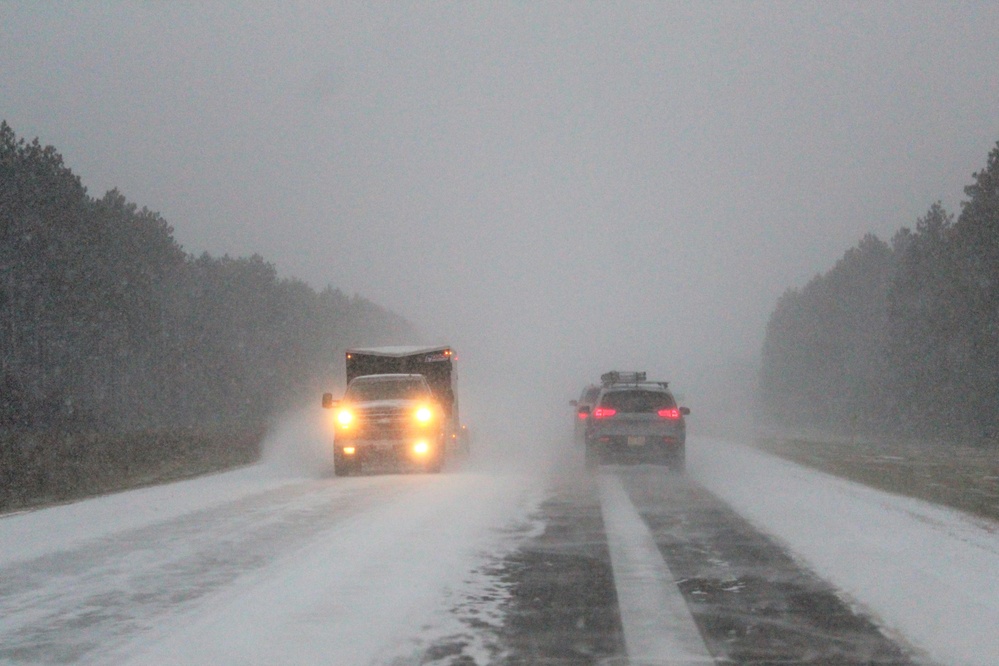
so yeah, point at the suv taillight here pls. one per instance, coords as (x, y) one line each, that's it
(671, 413)
(603, 412)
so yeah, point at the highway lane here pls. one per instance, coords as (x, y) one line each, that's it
(313, 571)
(630, 565)
(750, 601)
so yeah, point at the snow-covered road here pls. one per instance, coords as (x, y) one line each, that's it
(275, 564)
(307, 572)
(927, 573)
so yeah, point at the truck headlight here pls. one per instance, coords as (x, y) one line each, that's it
(424, 414)
(421, 448)
(344, 418)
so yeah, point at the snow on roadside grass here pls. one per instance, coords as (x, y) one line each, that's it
(290, 446)
(926, 572)
(962, 476)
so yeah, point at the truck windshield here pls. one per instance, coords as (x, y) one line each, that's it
(387, 389)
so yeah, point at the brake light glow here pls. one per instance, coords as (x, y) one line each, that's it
(603, 412)
(671, 413)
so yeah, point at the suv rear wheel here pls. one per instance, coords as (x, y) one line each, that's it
(591, 455)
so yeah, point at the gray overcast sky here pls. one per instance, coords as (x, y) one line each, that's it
(554, 188)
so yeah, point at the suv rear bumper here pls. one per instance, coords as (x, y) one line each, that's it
(622, 449)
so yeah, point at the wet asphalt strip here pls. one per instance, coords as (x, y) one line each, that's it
(563, 607)
(753, 603)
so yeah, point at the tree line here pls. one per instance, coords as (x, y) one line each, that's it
(898, 338)
(107, 324)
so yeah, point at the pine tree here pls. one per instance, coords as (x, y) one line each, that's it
(977, 232)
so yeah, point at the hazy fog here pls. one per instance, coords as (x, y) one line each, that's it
(555, 188)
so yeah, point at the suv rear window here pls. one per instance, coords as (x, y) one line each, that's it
(637, 401)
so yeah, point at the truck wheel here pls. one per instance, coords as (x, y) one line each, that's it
(434, 466)
(343, 468)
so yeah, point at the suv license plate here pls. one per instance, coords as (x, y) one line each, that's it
(636, 441)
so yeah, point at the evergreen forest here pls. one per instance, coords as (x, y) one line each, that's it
(108, 326)
(106, 323)
(899, 338)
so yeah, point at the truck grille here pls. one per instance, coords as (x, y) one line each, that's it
(382, 423)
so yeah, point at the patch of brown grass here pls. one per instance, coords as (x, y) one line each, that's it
(41, 468)
(960, 476)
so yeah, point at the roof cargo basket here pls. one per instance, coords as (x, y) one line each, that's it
(615, 377)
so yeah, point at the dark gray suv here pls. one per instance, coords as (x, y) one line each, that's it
(635, 421)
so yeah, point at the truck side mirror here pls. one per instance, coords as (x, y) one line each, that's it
(328, 401)
(685, 411)
(573, 402)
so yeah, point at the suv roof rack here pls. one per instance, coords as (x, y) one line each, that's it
(616, 377)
